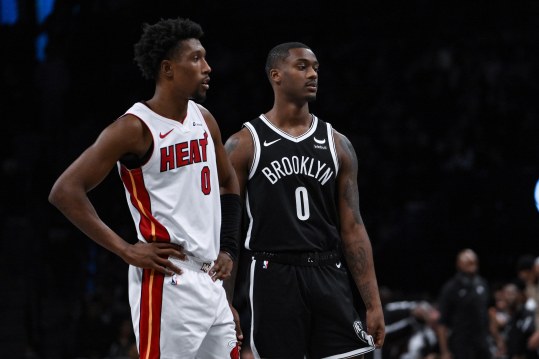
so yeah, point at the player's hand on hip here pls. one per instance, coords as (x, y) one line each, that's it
(222, 268)
(155, 256)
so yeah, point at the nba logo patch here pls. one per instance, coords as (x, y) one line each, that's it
(265, 264)
(174, 279)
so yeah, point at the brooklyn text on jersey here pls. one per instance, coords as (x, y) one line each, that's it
(295, 165)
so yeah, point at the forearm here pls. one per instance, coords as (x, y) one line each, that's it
(228, 184)
(358, 255)
(230, 283)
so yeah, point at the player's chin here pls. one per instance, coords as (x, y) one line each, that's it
(311, 97)
(200, 96)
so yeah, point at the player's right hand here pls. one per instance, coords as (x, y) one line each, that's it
(155, 256)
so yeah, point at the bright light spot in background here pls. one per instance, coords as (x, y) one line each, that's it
(9, 12)
(537, 195)
(41, 46)
(43, 9)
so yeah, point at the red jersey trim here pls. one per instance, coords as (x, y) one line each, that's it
(150, 228)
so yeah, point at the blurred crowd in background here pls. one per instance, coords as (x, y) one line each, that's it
(439, 100)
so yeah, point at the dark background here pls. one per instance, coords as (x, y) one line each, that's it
(440, 102)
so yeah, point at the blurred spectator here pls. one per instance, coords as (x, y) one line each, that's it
(521, 324)
(410, 330)
(525, 271)
(499, 317)
(464, 327)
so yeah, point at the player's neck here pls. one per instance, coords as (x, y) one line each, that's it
(290, 115)
(294, 121)
(167, 106)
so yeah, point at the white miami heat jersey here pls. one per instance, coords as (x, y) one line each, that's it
(174, 196)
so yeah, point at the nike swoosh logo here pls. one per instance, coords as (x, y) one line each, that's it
(163, 135)
(338, 265)
(320, 142)
(266, 144)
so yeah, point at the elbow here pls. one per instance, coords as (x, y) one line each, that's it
(229, 186)
(57, 195)
(54, 196)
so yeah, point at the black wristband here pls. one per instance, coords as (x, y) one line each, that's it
(230, 223)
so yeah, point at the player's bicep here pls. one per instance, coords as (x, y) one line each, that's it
(239, 148)
(347, 188)
(227, 177)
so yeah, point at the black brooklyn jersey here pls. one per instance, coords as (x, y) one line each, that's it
(290, 197)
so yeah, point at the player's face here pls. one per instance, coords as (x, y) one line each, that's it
(191, 70)
(299, 78)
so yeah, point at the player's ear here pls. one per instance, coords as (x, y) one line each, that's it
(275, 76)
(166, 68)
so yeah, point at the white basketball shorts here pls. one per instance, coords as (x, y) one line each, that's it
(183, 316)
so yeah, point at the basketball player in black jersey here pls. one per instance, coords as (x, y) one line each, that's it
(298, 180)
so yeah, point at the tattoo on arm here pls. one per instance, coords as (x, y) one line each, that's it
(366, 294)
(357, 264)
(357, 260)
(356, 251)
(231, 145)
(351, 193)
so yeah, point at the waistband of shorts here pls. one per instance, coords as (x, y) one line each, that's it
(307, 259)
(192, 263)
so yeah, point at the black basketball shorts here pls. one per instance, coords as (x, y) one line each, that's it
(304, 312)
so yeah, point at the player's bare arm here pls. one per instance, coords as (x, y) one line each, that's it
(240, 149)
(228, 184)
(126, 135)
(356, 243)
(223, 267)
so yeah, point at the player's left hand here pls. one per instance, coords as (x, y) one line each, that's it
(376, 325)
(222, 268)
(239, 333)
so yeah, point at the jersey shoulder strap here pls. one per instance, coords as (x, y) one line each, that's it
(251, 126)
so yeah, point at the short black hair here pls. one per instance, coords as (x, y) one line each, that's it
(280, 52)
(159, 41)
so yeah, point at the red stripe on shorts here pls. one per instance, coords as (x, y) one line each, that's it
(150, 314)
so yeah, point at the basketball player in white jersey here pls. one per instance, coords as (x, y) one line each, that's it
(183, 195)
(298, 179)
